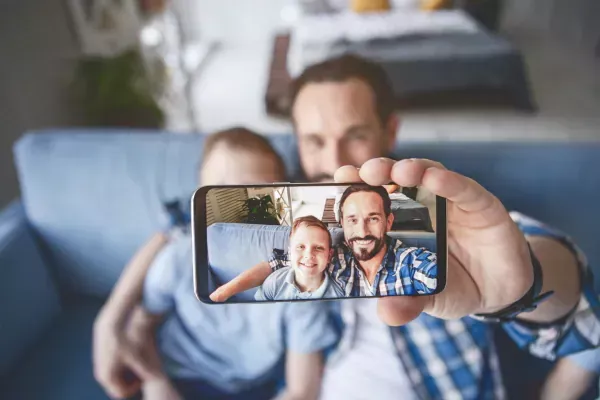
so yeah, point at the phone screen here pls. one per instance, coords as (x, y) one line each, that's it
(299, 242)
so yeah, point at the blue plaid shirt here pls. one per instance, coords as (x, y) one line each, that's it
(404, 271)
(457, 359)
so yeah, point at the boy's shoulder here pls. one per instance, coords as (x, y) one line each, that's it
(274, 284)
(279, 277)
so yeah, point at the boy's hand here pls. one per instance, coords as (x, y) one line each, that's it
(221, 294)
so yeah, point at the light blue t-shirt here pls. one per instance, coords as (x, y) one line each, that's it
(281, 285)
(231, 346)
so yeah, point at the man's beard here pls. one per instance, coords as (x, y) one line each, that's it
(363, 254)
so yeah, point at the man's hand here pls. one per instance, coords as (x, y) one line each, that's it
(489, 266)
(119, 365)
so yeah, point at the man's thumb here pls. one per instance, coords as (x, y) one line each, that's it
(400, 310)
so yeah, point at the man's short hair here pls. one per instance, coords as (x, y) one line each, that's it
(239, 138)
(308, 221)
(344, 68)
(356, 188)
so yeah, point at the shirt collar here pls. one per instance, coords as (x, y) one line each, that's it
(290, 279)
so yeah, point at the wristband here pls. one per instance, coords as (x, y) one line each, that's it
(527, 303)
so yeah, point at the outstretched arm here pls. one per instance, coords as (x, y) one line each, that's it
(248, 279)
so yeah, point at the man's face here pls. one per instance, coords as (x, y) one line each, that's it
(337, 125)
(365, 224)
(309, 251)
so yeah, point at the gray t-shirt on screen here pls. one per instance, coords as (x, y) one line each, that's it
(281, 285)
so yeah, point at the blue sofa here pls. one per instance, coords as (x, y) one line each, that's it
(90, 198)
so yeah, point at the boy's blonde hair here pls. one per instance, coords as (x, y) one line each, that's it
(239, 138)
(308, 221)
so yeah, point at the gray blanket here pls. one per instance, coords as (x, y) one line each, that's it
(429, 64)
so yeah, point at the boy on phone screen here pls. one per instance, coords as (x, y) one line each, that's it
(310, 254)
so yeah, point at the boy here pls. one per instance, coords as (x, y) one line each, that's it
(310, 253)
(231, 351)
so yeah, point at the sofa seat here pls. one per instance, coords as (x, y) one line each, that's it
(59, 365)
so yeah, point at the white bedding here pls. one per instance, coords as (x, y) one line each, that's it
(349, 26)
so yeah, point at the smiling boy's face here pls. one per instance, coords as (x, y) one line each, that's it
(310, 251)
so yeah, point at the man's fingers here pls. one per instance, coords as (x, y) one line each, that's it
(139, 365)
(410, 172)
(345, 174)
(118, 387)
(400, 310)
(377, 171)
(464, 192)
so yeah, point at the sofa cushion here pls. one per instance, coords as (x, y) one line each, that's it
(59, 366)
(29, 301)
(233, 248)
(95, 196)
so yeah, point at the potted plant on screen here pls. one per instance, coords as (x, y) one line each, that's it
(260, 210)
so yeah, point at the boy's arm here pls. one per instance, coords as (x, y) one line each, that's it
(303, 374)
(248, 279)
(112, 356)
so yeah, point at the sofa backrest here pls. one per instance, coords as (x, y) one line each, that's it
(95, 196)
(247, 245)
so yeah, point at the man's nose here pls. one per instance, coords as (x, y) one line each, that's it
(334, 158)
(361, 229)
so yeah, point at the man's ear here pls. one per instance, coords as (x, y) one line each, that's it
(391, 129)
(390, 222)
(331, 252)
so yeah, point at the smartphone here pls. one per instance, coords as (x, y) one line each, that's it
(321, 241)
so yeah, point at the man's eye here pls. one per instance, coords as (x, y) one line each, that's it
(300, 247)
(358, 137)
(314, 142)
(374, 219)
(352, 220)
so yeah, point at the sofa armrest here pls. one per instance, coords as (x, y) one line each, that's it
(29, 300)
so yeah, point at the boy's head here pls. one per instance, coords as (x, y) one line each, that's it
(310, 246)
(238, 156)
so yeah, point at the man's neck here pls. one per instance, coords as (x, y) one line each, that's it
(306, 284)
(370, 267)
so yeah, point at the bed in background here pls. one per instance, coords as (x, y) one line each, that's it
(460, 62)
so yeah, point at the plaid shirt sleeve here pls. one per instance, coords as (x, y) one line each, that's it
(423, 266)
(279, 259)
(580, 330)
